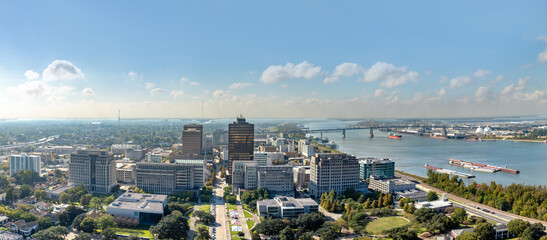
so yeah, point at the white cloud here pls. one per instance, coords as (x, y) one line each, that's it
(184, 80)
(379, 92)
(389, 75)
(481, 73)
(32, 75)
(149, 85)
(276, 73)
(61, 70)
(239, 85)
(194, 83)
(460, 81)
(88, 92)
(218, 93)
(29, 89)
(59, 93)
(442, 92)
(176, 93)
(482, 93)
(156, 91)
(132, 76)
(510, 89)
(343, 70)
(542, 57)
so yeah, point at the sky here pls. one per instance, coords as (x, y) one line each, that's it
(272, 59)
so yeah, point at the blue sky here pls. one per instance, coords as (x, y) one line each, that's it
(272, 58)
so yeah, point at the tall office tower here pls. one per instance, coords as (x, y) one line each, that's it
(192, 137)
(240, 142)
(338, 171)
(379, 168)
(96, 170)
(24, 162)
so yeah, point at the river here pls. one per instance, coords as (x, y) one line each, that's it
(412, 152)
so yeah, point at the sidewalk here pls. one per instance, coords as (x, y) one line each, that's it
(244, 222)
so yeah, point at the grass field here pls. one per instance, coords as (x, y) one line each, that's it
(131, 231)
(250, 224)
(376, 227)
(231, 206)
(205, 208)
(247, 214)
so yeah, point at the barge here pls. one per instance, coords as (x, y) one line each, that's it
(455, 162)
(447, 171)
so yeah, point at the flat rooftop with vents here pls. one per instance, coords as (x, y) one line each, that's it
(147, 208)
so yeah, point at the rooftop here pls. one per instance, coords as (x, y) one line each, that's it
(288, 202)
(434, 204)
(140, 202)
(396, 181)
(375, 160)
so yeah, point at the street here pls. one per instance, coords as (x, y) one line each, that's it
(221, 225)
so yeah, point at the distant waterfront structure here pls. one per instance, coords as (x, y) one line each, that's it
(380, 168)
(96, 170)
(240, 142)
(286, 207)
(333, 171)
(192, 139)
(24, 162)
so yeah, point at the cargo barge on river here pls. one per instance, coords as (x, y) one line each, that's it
(447, 171)
(457, 162)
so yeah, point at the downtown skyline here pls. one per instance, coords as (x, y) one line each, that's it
(271, 60)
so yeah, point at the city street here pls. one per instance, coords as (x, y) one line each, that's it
(221, 225)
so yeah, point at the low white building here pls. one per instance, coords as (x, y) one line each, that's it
(10, 236)
(154, 157)
(389, 185)
(147, 208)
(286, 207)
(438, 205)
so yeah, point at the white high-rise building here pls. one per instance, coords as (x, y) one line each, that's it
(24, 162)
(328, 171)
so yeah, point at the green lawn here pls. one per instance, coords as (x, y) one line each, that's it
(231, 206)
(377, 227)
(247, 214)
(131, 231)
(250, 224)
(205, 208)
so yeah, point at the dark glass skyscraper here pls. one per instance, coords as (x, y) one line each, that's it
(192, 138)
(240, 142)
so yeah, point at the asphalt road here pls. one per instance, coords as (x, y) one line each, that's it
(221, 224)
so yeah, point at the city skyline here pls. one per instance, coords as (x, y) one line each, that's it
(267, 60)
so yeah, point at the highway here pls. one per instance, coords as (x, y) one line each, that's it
(22, 145)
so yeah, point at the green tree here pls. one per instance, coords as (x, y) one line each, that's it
(358, 221)
(432, 196)
(533, 232)
(25, 191)
(85, 199)
(10, 195)
(83, 236)
(459, 215)
(96, 204)
(202, 233)
(204, 217)
(88, 225)
(327, 233)
(467, 236)
(108, 200)
(69, 214)
(173, 226)
(40, 194)
(109, 234)
(270, 226)
(64, 198)
(310, 221)
(77, 220)
(402, 233)
(286, 234)
(424, 214)
(484, 231)
(105, 221)
(44, 223)
(58, 173)
(517, 226)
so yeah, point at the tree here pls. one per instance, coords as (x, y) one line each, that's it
(517, 226)
(109, 234)
(202, 233)
(83, 236)
(44, 223)
(88, 225)
(270, 226)
(77, 220)
(286, 234)
(533, 232)
(25, 191)
(105, 221)
(85, 199)
(310, 221)
(484, 231)
(231, 199)
(402, 233)
(439, 222)
(358, 221)
(326, 233)
(4, 183)
(424, 214)
(181, 207)
(108, 200)
(411, 208)
(459, 215)
(64, 198)
(432, 196)
(52, 233)
(40, 194)
(58, 173)
(174, 226)
(96, 204)
(467, 236)
(10, 195)
(204, 217)
(67, 217)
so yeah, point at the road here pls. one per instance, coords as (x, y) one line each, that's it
(221, 225)
(470, 206)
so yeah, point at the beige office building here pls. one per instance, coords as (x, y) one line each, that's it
(96, 170)
(338, 171)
